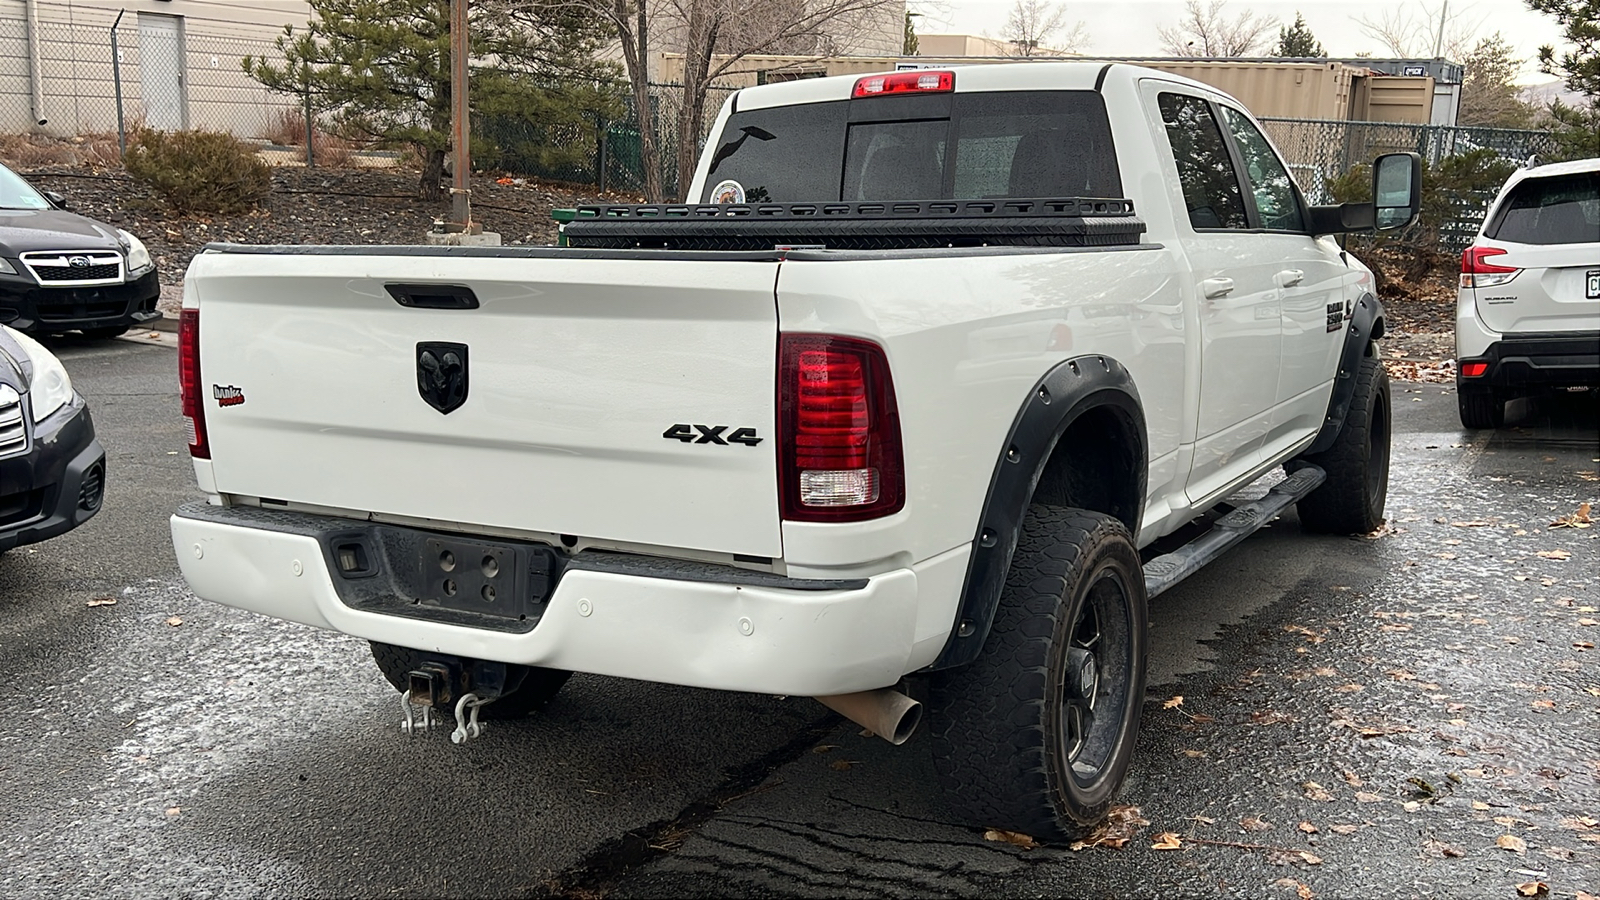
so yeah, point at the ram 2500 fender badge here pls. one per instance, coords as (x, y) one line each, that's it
(227, 395)
(711, 434)
(442, 374)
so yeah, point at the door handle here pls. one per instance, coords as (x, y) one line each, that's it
(1289, 278)
(1216, 287)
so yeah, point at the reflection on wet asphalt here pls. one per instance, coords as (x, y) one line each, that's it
(1431, 683)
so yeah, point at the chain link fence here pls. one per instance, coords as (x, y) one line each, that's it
(1319, 151)
(606, 153)
(172, 73)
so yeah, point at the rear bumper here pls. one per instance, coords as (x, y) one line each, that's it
(1519, 361)
(57, 485)
(850, 636)
(27, 306)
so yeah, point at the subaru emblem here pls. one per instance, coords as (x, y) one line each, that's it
(442, 374)
(79, 262)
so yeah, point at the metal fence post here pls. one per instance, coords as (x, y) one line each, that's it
(311, 159)
(601, 128)
(116, 81)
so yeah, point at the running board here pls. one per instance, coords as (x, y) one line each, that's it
(1168, 569)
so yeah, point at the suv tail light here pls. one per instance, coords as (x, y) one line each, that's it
(905, 83)
(194, 410)
(838, 430)
(1475, 273)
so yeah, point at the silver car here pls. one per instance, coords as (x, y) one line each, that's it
(1528, 314)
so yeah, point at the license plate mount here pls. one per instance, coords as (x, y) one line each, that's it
(484, 577)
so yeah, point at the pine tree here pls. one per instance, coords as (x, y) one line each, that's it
(381, 69)
(1488, 88)
(1577, 127)
(910, 48)
(1297, 41)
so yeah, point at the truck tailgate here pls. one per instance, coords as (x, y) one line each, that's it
(576, 368)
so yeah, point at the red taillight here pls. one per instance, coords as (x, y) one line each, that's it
(1474, 369)
(194, 411)
(905, 83)
(839, 430)
(1475, 272)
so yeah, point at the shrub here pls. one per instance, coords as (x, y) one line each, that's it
(288, 129)
(198, 171)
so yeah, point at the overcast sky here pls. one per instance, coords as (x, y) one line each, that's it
(1128, 27)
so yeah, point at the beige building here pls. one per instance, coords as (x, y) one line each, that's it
(1300, 89)
(179, 61)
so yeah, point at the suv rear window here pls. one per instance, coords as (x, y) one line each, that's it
(979, 145)
(1560, 209)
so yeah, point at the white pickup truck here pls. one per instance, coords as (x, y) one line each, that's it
(900, 403)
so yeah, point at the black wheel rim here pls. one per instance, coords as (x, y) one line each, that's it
(1094, 680)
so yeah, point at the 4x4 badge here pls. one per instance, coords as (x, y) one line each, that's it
(442, 374)
(711, 434)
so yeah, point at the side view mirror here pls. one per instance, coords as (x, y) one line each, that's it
(1397, 189)
(1397, 199)
(56, 199)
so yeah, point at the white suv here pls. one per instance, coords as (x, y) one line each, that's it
(1528, 315)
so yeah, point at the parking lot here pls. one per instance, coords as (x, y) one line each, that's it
(1415, 713)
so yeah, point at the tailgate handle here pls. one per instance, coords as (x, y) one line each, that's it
(433, 296)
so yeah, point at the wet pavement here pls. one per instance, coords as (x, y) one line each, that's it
(1415, 714)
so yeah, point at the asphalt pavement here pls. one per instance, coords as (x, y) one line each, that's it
(1412, 714)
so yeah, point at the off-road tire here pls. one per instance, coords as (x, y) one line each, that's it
(1480, 407)
(107, 333)
(998, 726)
(1351, 500)
(538, 686)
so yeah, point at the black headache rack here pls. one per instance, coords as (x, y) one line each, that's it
(851, 225)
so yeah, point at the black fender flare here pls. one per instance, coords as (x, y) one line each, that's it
(1069, 390)
(1366, 326)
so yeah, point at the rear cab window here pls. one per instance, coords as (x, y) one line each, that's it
(1558, 209)
(974, 145)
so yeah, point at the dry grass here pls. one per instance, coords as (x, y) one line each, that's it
(288, 129)
(30, 150)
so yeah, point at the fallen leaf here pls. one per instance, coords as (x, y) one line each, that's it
(1544, 704)
(1511, 842)
(174, 810)
(841, 764)
(1316, 792)
(1308, 828)
(1479, 805)
(1585, 622)
(1583, 645)
(1270, 717)
(1204, 820)
(1016, 839)
(1533, 889)
(1119, 825)
(1351, 778)
(1310, 859)
(1580, 823)
(1166, 840)
(1555, 554)
(1344, 829)
(1325, 671)
(1202, 719)
(174, 621)
(1579, 519)
(824, 748)
(1303, 892)
(1367, 797)
(1351, 688)
(1411, 806)
(102, 601)
(1194, 754)
(1174, 703)
(1255, 823)
(1585, 895)
(1475, 523)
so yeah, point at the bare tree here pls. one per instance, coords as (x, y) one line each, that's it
(1207, 31)
(1423, 31)
(713, 36)
(1031, 24)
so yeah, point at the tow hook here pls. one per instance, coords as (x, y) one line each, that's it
(440, 684)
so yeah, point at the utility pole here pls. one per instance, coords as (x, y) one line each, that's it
(1438, 41)
(460, 126)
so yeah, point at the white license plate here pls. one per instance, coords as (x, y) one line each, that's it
(1592, 280)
